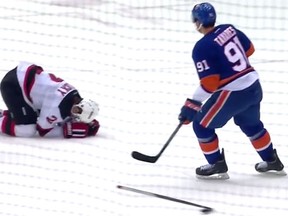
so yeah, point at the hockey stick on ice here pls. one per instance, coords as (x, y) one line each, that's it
(152, 159)
(204, 209)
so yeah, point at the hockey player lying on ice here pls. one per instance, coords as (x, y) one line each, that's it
(39, 103)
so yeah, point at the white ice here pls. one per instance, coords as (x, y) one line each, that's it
(134, 59)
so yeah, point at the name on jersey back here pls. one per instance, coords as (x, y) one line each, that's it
(226, 35)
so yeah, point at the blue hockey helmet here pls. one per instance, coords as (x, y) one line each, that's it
(204, 13)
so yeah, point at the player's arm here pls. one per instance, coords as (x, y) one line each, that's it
(50, 131)
(67, 129)
(246, 43)
(47, 122)
(209, 83)
(80, 129)
(207, 86)
(209, 79)
(250, 51)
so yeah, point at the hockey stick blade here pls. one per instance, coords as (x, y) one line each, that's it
(146, 158)
(204, 209)
(152, 159)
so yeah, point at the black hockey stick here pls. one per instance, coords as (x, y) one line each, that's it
(152, 159)
(204, 209)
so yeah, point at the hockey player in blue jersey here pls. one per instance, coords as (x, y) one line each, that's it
(229, 89)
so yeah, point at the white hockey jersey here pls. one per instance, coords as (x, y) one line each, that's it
(48, 95)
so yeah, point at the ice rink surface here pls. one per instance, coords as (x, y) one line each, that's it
(134, 59)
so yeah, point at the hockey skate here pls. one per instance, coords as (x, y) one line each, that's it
(275, 166)
(213, 171)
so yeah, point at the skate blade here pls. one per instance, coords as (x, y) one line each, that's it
(274, 172)
(281, 173)
(217, 176)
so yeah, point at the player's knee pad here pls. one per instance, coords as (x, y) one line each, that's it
(25, 130)
(202, 132)
(252, 130)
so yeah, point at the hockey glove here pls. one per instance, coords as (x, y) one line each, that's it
(80, 129)
(93, 128)
(75, 130)
(189, 110)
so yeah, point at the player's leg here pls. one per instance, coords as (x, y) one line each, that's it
(208, 141)
(260, 139)
(215, 113)
(250, 123)
(20, 119)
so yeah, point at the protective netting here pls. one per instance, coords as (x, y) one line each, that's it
(134, 59)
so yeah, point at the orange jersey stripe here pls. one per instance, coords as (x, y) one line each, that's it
(235, 76)
(250, 51)
(215, 108)
(210, 83)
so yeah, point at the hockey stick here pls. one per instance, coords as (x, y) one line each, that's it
(152, 159)
(204, 209)
(67, 119)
